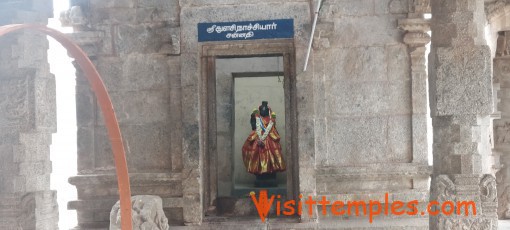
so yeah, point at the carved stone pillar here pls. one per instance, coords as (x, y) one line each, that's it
(461, 104)
(417, 38)
(27, 120)
(502, 133)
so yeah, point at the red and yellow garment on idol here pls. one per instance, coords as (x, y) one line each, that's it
(262, 152)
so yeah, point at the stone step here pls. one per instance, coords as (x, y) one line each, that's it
(293, 223)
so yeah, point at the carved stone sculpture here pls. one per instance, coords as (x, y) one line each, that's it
(147, 214)
(501, 126)
(73, 17)
(459, 188)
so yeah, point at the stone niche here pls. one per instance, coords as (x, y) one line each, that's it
(241, 85)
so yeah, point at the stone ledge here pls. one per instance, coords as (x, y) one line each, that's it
(371, 171)
(494, 9)
(205, 3)
(106, 204)
(135, 178)
(88, 41)
(86, 37)
(414, 24)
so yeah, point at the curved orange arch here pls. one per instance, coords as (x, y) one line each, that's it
(112, 125)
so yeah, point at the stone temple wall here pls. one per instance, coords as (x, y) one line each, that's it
(361, 105)
(360, 111)
(369, 95)
(135, 47)
(27, 120)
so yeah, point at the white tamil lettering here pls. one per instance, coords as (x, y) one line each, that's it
(221, 29)
(249, 35)
(240, 35)
(211, 29)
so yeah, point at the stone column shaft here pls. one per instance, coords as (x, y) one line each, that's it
(461, 104)
(27, 120)
(417, 38)
(501, 133)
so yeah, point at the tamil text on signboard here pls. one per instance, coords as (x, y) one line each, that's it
(248, 30)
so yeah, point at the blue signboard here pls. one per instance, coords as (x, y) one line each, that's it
(248, 30)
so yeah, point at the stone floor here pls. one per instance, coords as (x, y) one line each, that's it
(292, 223)
(504, 224)
(255, 224)
(288, 223)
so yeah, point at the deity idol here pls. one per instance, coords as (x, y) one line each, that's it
(262, 152)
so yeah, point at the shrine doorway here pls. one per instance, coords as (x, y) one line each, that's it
(240, 88)
(237, 78)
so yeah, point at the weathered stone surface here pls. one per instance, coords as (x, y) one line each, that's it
(365, 31)
(461, 101)
(398, 63)
(156, 38)
(419, 137)
(73, 17)
(85, 107)
(139, 107)
(501, 136)
(343, 8)
(91, 211)
(132, 43)
(194, 3)
(16, 111)
(112, 4)
(399, 6)
(357, 64)
(142, 140)
(45, 94)
(361, 107)
(366, 98)
(27, 119)
(457, 188)
(147, 214)
(472, 69)
(162, 10)
(38, 210)
(371, 142)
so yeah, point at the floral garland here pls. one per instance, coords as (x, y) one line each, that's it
(259, 124)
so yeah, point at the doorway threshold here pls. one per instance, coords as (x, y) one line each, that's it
(252, 222)
(243, 190)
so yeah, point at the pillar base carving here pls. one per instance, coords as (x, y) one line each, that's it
(97, 193)
(481, 189)
(34, 210)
